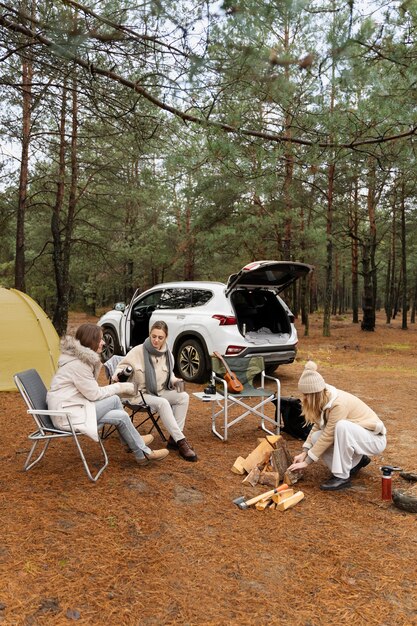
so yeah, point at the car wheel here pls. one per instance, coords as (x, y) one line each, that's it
(191, 362)
(270, 368)
(112, 346)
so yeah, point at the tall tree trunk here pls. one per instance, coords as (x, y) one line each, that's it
(391, 271)
(63, 227)
(329, 253)
(368, 261)
(27, 77)
(58, 254)
(403, 258)
(353, 227)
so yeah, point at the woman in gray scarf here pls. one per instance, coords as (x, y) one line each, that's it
(153, 364)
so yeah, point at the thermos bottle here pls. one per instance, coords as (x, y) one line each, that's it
(386, 493)
(124, 374)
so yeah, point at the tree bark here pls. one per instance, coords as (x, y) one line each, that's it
(20, 260)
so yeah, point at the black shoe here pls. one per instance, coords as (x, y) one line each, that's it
(335, 484)
(365, 460)
(172, 444)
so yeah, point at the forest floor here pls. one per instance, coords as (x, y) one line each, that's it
(164, 544)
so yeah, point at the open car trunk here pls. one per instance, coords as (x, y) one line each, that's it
(260, 316)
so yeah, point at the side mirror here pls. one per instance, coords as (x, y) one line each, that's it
(119, 306)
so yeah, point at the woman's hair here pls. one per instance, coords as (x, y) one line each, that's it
(161, 326)
(313, 404)
(89, 335)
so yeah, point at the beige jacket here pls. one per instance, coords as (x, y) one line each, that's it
(135, 359)
(74, 387)
(341, 406)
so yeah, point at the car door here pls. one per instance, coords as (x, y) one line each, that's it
(137, 322)
(171, 309)
(276, 275)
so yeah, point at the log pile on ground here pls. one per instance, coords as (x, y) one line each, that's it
(268, 465)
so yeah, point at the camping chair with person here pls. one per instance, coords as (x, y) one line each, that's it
(33, 391)
(251, 400)
(135, 409)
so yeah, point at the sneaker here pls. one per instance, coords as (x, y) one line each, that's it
(186, 451)
(365, 460)
(147, 439)
(153, 455)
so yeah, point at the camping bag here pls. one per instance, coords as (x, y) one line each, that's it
(292, 420)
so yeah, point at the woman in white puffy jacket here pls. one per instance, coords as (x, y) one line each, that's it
(74, 388)
(345, 430)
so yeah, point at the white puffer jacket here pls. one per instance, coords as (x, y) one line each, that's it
(74, 388)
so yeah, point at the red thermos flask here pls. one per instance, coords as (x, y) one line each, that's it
(386, 482)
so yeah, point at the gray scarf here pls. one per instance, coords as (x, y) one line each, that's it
(150, 377)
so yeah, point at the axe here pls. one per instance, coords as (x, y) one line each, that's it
(245, 504)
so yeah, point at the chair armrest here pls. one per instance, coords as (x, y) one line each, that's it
(48, 412)
(276, 381)
(218, 379)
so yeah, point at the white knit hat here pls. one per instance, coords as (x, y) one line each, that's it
(310, 380)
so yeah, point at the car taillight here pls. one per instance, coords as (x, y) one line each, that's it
(225, 320)
(234, 349)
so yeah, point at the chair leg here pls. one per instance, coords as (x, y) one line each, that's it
(28, 465)
(83, 459)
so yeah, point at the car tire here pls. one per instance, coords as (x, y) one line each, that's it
(191, 362)
(112, 346)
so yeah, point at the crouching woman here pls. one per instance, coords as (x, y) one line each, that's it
(74, 388)
(345, 430)
(153, 364)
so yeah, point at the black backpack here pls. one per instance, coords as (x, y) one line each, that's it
(292, 420)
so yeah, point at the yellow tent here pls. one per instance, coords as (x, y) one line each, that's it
(27, 338)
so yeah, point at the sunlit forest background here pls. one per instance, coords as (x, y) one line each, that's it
(178, 140)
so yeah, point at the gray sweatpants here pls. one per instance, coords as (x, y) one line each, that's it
(351, 442)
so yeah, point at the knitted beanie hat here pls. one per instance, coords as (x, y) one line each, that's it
(310, 380)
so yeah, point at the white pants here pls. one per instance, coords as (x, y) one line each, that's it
(351, 442)
(172, 407)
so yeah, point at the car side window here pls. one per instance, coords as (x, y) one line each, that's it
(175, 299)
(201, 296)
(151, 299)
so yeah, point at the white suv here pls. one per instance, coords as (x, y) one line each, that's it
(246, 318)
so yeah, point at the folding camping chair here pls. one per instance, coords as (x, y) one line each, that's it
(33, 392)
(246, 369)
(110, 367)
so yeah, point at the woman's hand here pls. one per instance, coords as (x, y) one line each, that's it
(300, 457)
(297, 466)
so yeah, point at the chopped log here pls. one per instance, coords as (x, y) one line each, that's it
(291, 501)
(263, 504)
(259, 456)
(269, 478)
(238, 466)
(282, 495)
(253, 477)
(281, 458)
(273, 440)
(291, 477)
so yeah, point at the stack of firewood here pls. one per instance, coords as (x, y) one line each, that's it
(268, 465)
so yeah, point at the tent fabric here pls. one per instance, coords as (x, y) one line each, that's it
(27, 339)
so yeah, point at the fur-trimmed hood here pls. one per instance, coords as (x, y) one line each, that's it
(71, 349)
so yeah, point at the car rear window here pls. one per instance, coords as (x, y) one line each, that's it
(201, 296)
(178, 298)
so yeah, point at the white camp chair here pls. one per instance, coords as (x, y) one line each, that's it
(33, 391)
(252, 399)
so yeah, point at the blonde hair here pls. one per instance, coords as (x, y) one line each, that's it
(313, 404)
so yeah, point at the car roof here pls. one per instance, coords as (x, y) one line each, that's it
(189, 283)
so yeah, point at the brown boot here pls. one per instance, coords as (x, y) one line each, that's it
(172, 444)
(186, 450)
